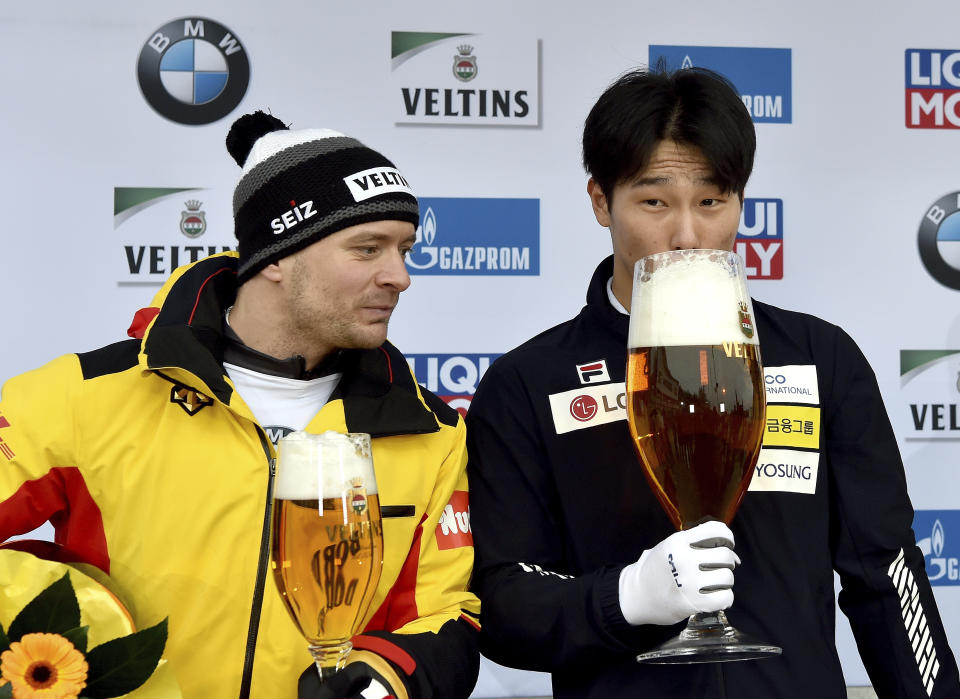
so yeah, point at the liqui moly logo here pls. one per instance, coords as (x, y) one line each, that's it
(760, 238)
(453, 377)
(932, 88)
(453, 529)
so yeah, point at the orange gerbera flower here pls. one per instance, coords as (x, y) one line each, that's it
(44, 666)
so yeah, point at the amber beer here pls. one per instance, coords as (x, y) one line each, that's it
(327, 538)
(696, 416)
(695, 394)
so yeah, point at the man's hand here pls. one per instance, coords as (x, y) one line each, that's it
(355, 681)
(688, 572)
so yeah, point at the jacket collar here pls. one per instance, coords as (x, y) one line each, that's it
(378, 391)
(599, 308)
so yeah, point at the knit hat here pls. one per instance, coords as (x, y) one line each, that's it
(300, 186)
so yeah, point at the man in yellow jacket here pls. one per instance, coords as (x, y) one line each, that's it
(153, 457)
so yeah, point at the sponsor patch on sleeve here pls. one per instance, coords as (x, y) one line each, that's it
(786, 470)
(453, 530)
(792, 426)
(588, 406)
(792, 384)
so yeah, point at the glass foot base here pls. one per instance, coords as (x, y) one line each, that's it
(709, 638)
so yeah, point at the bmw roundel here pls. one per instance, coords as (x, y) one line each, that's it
(939, 240)
(193, 71)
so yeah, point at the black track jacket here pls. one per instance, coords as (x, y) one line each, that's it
(560, 505)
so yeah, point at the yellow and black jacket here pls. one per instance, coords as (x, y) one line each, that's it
(151, 468)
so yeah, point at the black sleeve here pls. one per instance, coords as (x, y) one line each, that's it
(535, 614)
(446, 663)
(885, 591)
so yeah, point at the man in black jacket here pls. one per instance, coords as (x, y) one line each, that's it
(574, 553)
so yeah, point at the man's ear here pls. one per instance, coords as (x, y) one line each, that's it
(599, 202)
(272, 272)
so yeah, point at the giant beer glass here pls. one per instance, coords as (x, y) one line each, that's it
(695, 406)
(327, 539)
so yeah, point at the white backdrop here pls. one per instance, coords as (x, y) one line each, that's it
(853, 181)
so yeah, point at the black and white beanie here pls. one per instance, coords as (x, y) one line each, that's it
(300, 186)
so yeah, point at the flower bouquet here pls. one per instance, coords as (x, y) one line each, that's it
(44, 655)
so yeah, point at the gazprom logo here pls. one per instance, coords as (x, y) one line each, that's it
(763, 76)
(472, 236)
(938, 536)
(760, 238)
(453, 377)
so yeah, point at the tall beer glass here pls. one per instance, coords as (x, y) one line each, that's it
(695, 405)
(327, 539)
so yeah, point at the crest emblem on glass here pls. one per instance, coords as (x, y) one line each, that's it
(696, 406)
(327, 539)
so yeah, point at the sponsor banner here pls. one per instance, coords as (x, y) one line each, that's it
(786, 471)
(473, 236)
(588, 406)
(455, 78)
(932, 88)
(939, 240)
(453, 377)
(929, 395)
(763, 76)
(792, 384)
(453, 530)
(161, 228)
(193, 71)
(938, 536)
(760, 238)
(792, 426)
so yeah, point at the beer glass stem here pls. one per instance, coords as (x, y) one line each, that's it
(330, 658)
(708, 625)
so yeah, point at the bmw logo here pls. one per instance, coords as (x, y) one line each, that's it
(939, 240)
(193, 71)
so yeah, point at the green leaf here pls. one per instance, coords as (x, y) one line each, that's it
(54, 610)
(119, 666)
(4, 641)
(6, 691)
(78, 637)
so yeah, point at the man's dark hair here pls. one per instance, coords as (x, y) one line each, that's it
(692, 106)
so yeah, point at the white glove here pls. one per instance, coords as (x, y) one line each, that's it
(688, 572)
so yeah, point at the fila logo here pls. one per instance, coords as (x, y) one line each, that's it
(376, 181)
(593, 372)
(453, 530)
(289, 219)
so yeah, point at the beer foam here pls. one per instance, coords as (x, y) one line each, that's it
(693, 300)
(316, 466)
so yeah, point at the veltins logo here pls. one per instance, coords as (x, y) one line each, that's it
(938, 536)
(763, 76)
(932, 88)
(930, 389)
(193, 71)
(760, 238)
(453, 377)
(162, 228)
(939, 240)
(460, 236)
(455, 78)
